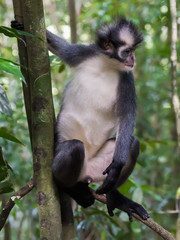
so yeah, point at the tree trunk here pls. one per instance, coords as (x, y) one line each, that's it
(40, 113)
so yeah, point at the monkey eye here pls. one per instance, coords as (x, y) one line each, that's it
(127, 51)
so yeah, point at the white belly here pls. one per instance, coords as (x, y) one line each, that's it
(88, 112)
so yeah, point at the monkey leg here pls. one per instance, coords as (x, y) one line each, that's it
(68, 162)
(67, 166)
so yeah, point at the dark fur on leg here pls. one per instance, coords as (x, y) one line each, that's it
(81, 194)
(68, 162)
(117, 200)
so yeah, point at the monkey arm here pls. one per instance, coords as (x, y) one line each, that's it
(126, 107)
(120, 159)
(71, 54)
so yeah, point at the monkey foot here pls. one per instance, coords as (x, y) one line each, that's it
(117, 200)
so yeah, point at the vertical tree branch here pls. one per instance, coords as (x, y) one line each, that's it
(72, 15)
(18, 15)
(175, 97)
(40, 113)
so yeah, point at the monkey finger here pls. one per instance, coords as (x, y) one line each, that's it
(107, 169)
(110, 211)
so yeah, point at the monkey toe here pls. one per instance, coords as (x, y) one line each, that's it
(139, 210)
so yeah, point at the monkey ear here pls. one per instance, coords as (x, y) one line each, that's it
(103, 36)
(108, 46)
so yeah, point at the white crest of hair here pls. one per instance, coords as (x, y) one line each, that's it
(126, 36)
(88, 112)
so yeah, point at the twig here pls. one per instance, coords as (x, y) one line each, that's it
(10, 204)
(149, 222)
(101, 198)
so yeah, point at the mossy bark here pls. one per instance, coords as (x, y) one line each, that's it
(40, 113)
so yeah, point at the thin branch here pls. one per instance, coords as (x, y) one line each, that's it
(101, 198)
(149, 222)
(10, 204)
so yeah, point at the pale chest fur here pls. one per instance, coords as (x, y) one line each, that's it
(88, 110)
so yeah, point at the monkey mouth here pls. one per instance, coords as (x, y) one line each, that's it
(129, 65)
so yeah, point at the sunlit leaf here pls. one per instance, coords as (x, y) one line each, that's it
(4, 103)
(178, 193)
(11, 67)
(53, 58)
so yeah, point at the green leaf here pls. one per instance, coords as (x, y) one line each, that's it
(24, 33)
(11, 67)
(178, 193)
(62, 68)
(137, 195)
(142, 147)
(18, 203)
(12, 32)
(9, 32)
(5, 134)
(126, 187)
(6, 187)
(3, 167)
(53, 58)
(135, 227)
(4, 103)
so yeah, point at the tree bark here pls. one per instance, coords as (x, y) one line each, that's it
(73, 25)
(40, 113)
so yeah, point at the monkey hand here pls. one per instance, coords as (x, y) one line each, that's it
(111, 180)
(117, 200)
(15, 24)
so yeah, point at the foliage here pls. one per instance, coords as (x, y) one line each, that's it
(155, 179)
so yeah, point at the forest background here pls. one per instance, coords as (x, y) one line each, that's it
(155, 180)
